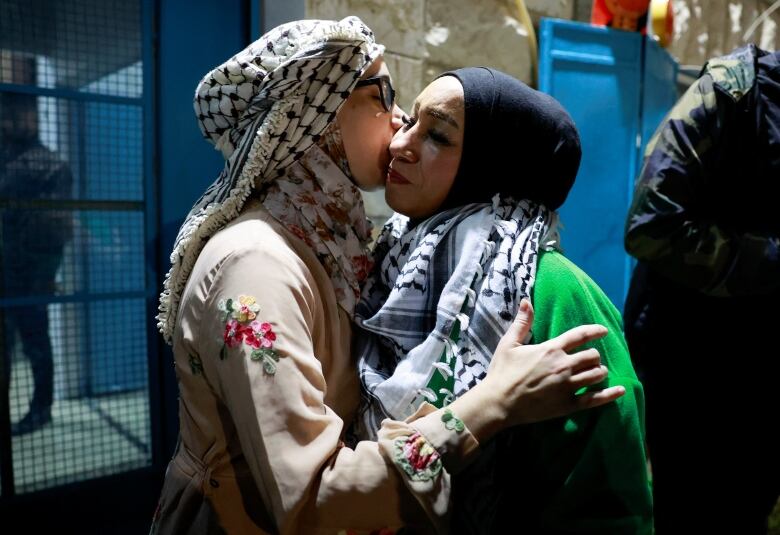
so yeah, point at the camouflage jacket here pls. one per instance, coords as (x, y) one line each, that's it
(704, 213)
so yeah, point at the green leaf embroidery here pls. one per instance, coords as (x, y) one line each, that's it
(452, 422)
(268, 356)
(196, 366)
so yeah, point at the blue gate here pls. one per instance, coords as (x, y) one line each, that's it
(617, 86)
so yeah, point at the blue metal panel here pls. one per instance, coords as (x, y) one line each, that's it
(190, 44)
(192, 40)
(596, 74)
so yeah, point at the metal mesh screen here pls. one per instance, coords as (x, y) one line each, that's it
(73, 212)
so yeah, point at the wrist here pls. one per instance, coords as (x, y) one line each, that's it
(482, 410)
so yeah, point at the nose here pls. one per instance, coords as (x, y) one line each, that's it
(396, 119)
(401, 146)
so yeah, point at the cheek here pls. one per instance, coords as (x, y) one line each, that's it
(440, 171)
(377, 132)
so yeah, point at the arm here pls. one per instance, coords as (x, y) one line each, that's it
(291, 439)
(667, 226)
(594, 462)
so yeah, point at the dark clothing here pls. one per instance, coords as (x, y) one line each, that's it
(32, 245)
(704, 298)
(32, 236)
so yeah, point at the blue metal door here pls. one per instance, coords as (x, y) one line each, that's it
(616, 96)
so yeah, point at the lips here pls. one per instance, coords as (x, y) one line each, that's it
(394, 177)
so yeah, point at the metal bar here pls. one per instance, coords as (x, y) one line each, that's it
(7, 487)
(85, 377)
(69, 94)
(149, 31)
(62, 204)
(80, 297)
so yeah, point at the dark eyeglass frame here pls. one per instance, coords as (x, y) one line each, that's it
(386, 90)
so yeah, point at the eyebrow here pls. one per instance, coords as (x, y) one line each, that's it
(437, 114)
(442, 116)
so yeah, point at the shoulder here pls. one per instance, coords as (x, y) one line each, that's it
(254, 255)
(556, 272)
(734, 73)
(565, 293)
(256, 241)
(565, 297)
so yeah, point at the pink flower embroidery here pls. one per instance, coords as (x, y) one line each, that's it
(258, 335)
(234, 333)
(416, 456)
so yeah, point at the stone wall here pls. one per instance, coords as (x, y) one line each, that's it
(707, 28)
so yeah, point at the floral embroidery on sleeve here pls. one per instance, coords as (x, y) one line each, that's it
(242, 326)
(415, 455)
(452, 422)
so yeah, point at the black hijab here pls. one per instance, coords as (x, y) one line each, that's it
(518, 142)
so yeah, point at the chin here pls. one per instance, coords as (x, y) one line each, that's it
(369, 183)
(393, 203)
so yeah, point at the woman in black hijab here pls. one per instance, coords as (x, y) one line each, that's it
(478, 171)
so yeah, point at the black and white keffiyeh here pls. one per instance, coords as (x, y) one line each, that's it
(471, 265)
(263, 109)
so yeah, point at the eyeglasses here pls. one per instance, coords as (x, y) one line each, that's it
(386, 91)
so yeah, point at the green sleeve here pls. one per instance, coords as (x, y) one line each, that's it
(594, 462)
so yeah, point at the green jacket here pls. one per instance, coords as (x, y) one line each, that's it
(582, 474)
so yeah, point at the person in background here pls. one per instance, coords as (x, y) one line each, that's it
(33, 240)
(704, 296)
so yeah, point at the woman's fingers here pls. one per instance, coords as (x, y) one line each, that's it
(585, 360)
(589, 400)
(591, 376)
(521, 326)
(574, 338)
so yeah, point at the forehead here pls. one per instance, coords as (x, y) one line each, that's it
(445, 91)
(378, 67)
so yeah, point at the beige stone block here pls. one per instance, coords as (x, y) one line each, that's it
(432, 70)
(407, 78)
(466, 33)
(554, 9)
(397, 24)
(709, 28)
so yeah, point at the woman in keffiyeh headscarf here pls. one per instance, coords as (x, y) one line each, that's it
(479, 170)
(265, 275)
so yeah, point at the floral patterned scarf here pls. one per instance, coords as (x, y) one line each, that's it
(317, 201)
